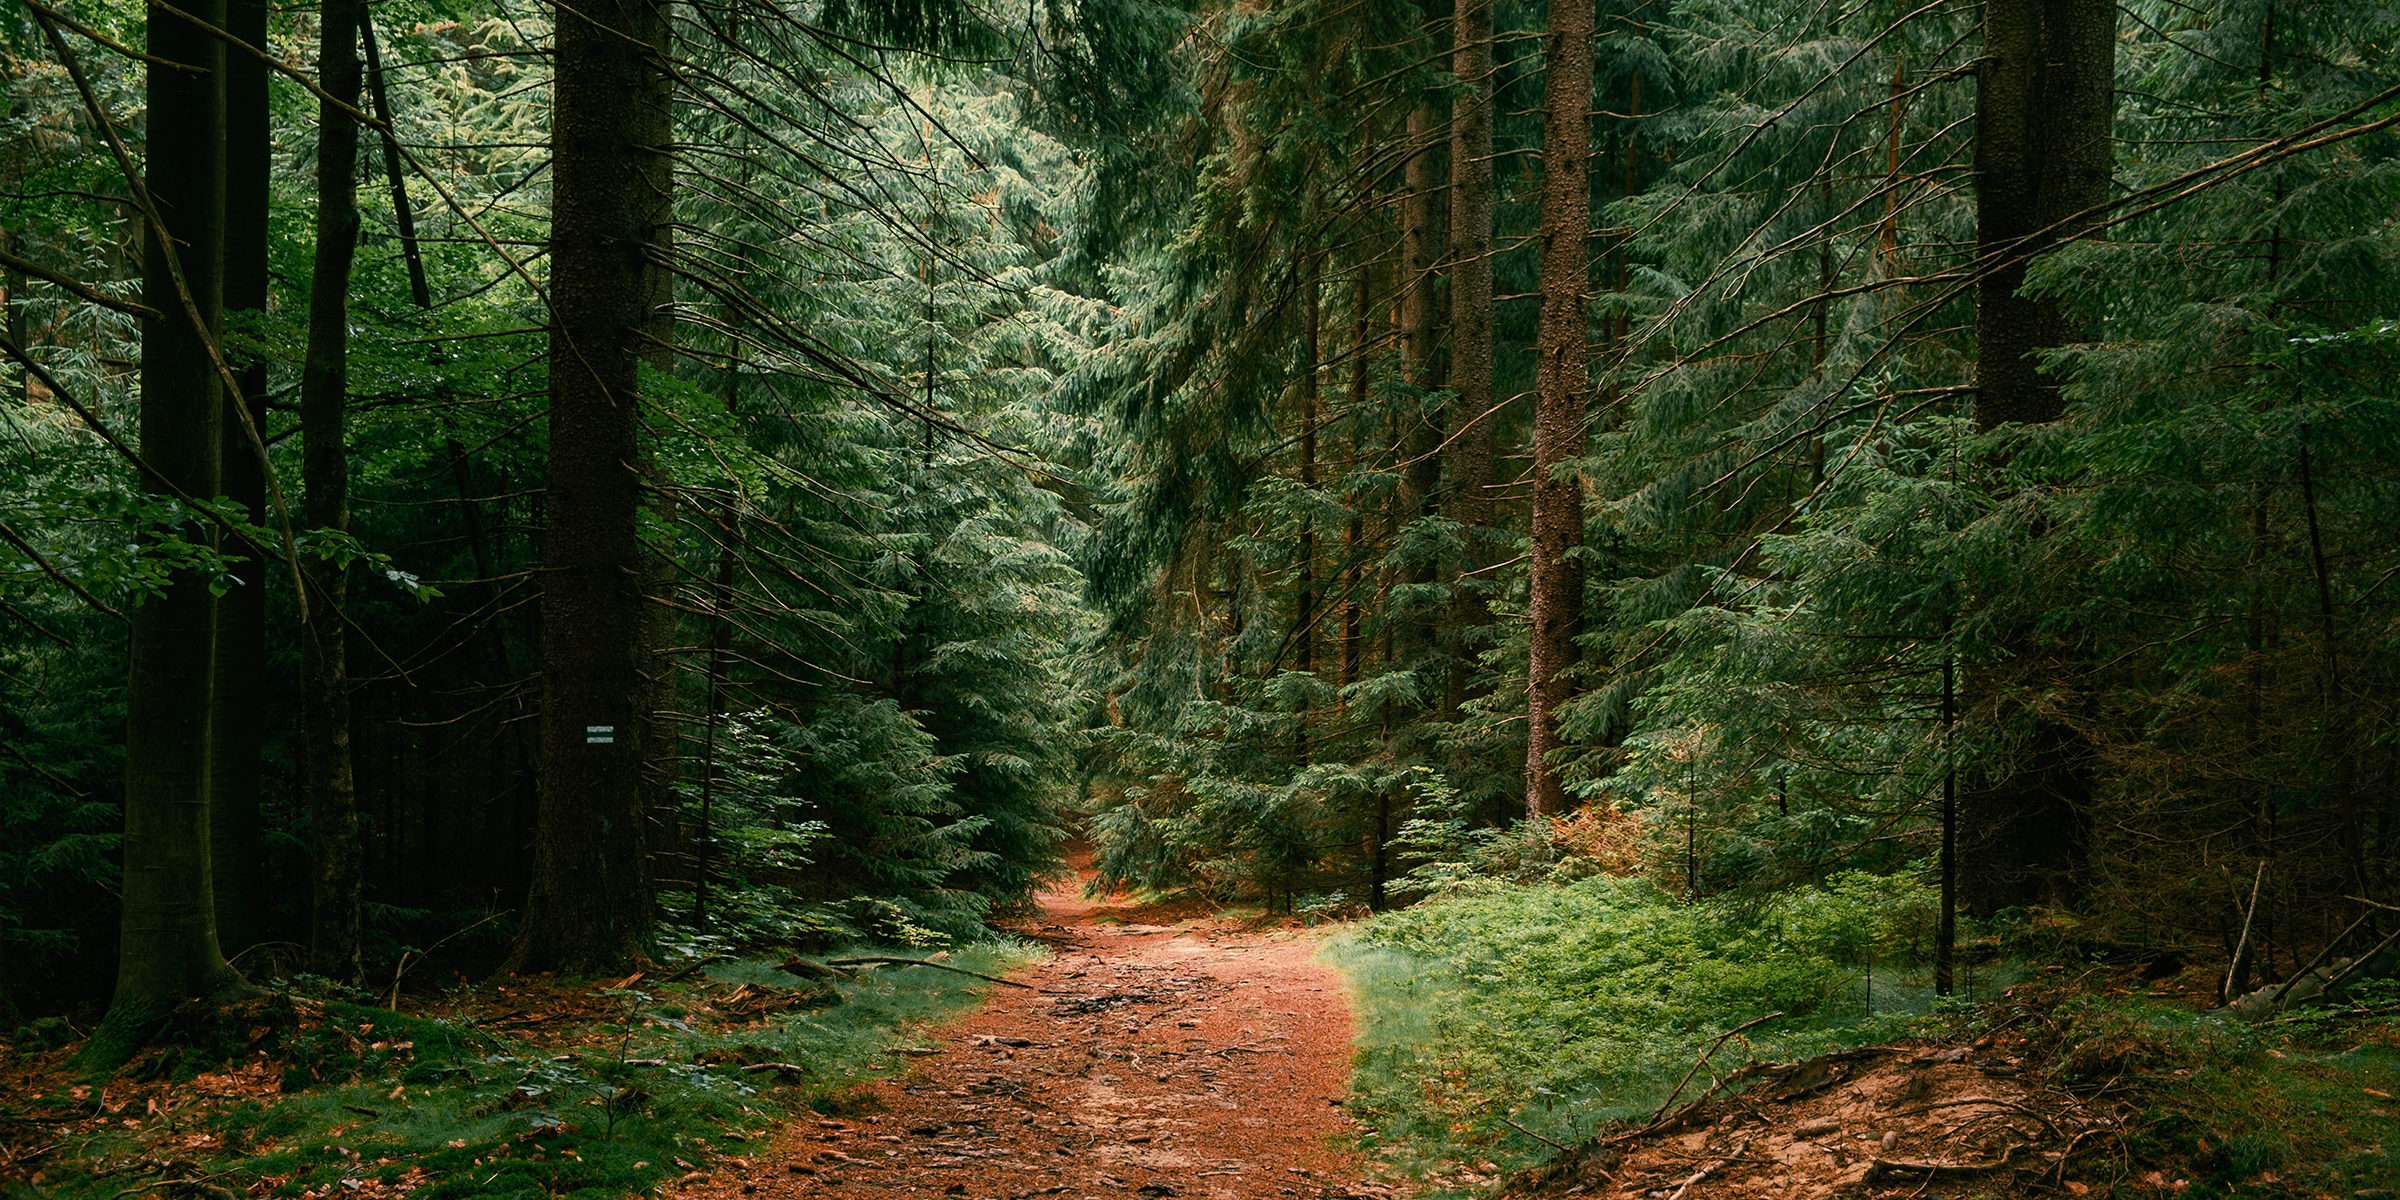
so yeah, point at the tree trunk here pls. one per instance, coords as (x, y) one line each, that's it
(2045, 106)
(1472, 454)
(1304, 617)
(235, 729)
(1419, 435)
(333, 930)
(168, 951)
(1561, 380)
(589, 908)
(12, 281)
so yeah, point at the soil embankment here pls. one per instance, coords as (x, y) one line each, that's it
(1151, 1056)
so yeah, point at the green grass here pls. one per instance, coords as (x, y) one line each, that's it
(496, 1117)
(1563, 1008)
(2280, 1110)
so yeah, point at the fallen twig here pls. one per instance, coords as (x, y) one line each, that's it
(922, 962)
(690, 967)
(1963, 1101)
(1703, 1061)
(1884, 1168)
(1531, 1134)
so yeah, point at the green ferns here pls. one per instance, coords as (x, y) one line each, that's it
(1559, 1008)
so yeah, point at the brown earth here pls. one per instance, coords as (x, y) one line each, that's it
(1881, 1121)
(1160, 1052)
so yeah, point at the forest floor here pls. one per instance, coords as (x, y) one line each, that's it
(1163, 1050)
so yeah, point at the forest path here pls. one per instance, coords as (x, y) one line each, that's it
(1195, 1059)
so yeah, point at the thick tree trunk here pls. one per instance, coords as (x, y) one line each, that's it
(168, 951)
(590, 904)
(333, 930)
(2044, 113)
(235, 728)
(1473, 451)
(1561, 381)
(2045, 106)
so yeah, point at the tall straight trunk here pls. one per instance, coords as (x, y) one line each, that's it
(1304, 618)
(1474, 448)
(1561, 380)
(2045, 107)
(589, 907)
(235, 729)
(12, 281)
(1354, 533)
(1418, 438)
(333, 929)
(168, 950)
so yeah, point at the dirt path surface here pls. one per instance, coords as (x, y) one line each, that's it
(1194, 1059)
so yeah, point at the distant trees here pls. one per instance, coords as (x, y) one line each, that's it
(1871, 438)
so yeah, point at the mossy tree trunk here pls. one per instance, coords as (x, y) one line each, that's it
(1474, 448)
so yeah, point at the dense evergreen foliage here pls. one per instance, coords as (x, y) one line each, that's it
(784, 493)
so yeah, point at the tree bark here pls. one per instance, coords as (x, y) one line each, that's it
(1419, 435)
(1561, 382)
(168, 950)
(2045, 107)
(1304, 616)
(333, 932)
(236, 731)
(589, 908)
(1473, 451)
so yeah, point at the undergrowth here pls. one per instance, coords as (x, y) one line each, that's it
(2301, 1107)
(375, 1102)
(1561, 1008)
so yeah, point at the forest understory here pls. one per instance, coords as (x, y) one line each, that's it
(1174, 1049)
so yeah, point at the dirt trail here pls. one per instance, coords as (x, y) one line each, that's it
(1193, 1059)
